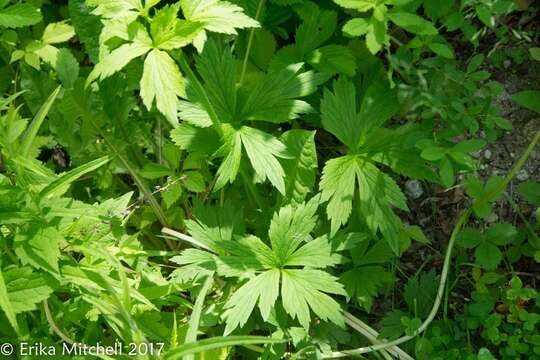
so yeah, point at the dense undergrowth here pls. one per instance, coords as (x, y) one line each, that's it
(209, 179)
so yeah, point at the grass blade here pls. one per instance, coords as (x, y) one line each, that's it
(216, 343)
(59, 185)
(191, 335)
(33, 129)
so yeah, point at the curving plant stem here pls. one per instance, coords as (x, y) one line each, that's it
(462, 220)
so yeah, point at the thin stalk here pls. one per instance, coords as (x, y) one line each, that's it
(53, 325)
(250, 43)
(446, 265)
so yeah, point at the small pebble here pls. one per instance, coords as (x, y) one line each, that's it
(476, 154)
(522, 175)
(487, 154)
(507, 64)
(492, 218)
(413, 188)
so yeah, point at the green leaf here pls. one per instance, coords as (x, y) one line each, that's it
(301, 169)
(315, 254)
(19, 15)
(263, 150)
(216, 343)
(360, 5)
(290, 227)
(39, 247)
(337, 185)
(338, 112)
(262, 289)
(340, 117)
(501, 233)
(26, 289)
(117, 9)
(530, 190)
(194, 181)
(155, 171)
(469, 238)
(67, 68)
(117, 59)
(363, 283)
(162, 81)
(57, 33)
(485, 16)
(441, 49)
(217, 67)
(378, 194)
(413, 23)
(333, 59)
(356, 27)
(59, 186)
(31, 132)
(529, 99)
(274, 98)
(302, 290)
(316, 28)
(5, 304)
(217, 16)
(169, 32)
(420, 292)
(447, 172)
(377, 36)
(488, 256)
(228, 169)
(87, 27)
(216, 224)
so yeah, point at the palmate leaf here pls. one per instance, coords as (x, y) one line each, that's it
(302, 288)
(377, 194)
(340, 116)
(274, 98)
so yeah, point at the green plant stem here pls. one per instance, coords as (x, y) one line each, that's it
(53, 325)
(250, 43)
(446, 265)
